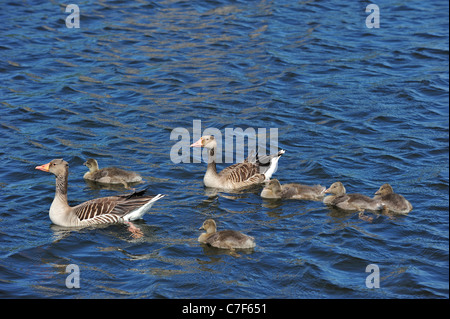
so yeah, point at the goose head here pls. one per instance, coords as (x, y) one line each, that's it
(92, 164)
(336, 188)
(385, 189)
(209, 225)
(57, 167)
(274, 185)
(207, 141)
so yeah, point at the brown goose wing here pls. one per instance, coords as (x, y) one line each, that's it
(112, 205)
(96, 207)
(239, 172)
(126, 206)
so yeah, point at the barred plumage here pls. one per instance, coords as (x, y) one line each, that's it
(254, 170)
(103, 210)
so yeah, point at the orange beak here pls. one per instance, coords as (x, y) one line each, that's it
(199, 143)
(44, 167)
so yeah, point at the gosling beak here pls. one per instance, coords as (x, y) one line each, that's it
(199, 143)
(44, 167)
(327, 191)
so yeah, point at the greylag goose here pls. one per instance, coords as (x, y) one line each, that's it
(250, 172)
(391, 201)
(110, 175)
(274, 189)
(112, 209)
(351, 202)
(226, 239)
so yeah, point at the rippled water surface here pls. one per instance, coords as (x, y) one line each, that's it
(359, 105)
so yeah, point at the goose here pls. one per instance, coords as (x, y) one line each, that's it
(274, 189)
(351, 202)
(110, 175)
(104, 210)
(252, 171)
(391, 201)
(225, 239)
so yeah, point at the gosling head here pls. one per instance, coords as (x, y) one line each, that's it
(92, 164)
(336, 188)
(385, 189)
(209, 225)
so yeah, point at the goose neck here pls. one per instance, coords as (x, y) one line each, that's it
(61, 188)
(212, 161)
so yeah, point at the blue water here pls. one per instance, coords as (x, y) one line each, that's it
(359, 105)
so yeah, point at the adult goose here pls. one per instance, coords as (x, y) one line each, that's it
(391, 201)
(112, 209)
(110, 175)
(252, 171)
(274, 190)
(350, 202)
(226, 239)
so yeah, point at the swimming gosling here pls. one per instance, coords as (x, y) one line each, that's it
(110, 175)
(350, 202)
(274, 190)
(391, 201)
(225, 239)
